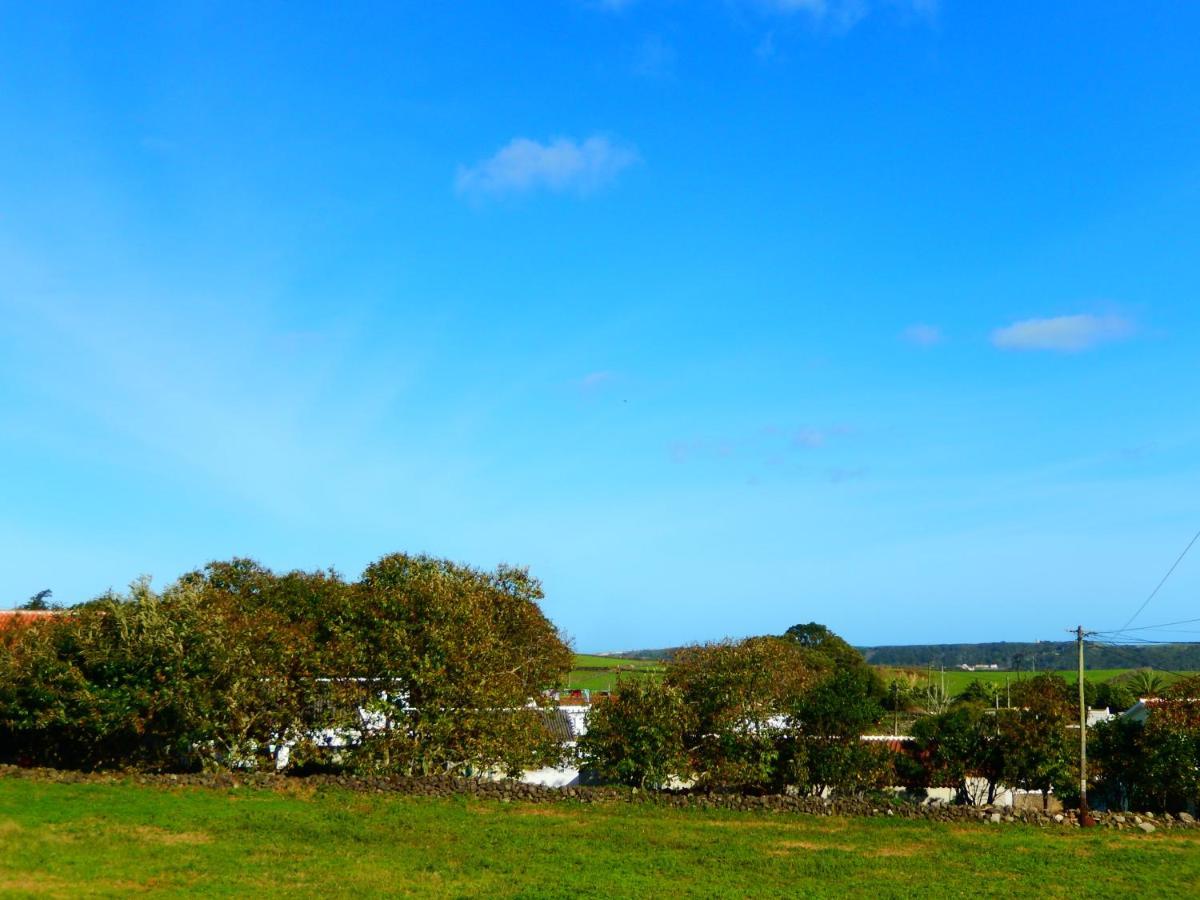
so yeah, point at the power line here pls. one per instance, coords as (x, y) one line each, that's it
(1158, 587)
(1149, 627)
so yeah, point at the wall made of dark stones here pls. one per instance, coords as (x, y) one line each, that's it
(510, 791)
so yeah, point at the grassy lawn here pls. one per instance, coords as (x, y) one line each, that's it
(108, 840)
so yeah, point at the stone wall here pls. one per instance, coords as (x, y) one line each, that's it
(510, 791)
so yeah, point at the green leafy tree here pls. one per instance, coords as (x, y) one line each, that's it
(1113, 694)
(39, 602)
(980, 693)
(1154, 764)
(1037, 747)
(737, 694)
(453, 661)
(1143, 683)
(133, 680)
(636, 737)
(823, 747)
(953, 749)
(828, 650)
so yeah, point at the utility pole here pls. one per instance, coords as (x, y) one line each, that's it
(1085, 816)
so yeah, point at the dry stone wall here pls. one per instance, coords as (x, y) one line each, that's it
(514, 791)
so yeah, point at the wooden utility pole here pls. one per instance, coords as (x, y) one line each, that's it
(1085, 816)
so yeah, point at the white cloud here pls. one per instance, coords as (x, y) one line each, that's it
(1068, 334)
(841, 15)
(922, 335)
(810, 437)
(560, 165)
(845, 14)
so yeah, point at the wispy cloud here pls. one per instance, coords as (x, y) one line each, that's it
(840, 15)
(560, 165)
(654, 58)
(845, 14)
(595, 381)
(922, 335)
(1065, 334)
(838, 475)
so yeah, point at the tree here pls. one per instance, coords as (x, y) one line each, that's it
(1036, 746)
(830, 651)
(953, 749)
(39, 602)
(1154, 764)
(823, 747)
(1143, 683)
(636, 737)
(125, 680)
(980, 693)
(453, 661)
(738, 694)
(1114, 694)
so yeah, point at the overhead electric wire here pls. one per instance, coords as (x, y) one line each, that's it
(1149, 627)
(1158, 587)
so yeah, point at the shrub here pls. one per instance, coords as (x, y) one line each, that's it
(636, 736)
(738, 695)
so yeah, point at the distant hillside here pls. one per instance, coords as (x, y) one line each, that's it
(663, 653)
(1039, 655)
(1017, 656)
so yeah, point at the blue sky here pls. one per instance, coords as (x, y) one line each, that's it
(720, 315)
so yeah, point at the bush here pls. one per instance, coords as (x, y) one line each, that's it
(823, 748)
(1153, 764)
(738, 695)
(636, 736)
(233, 664)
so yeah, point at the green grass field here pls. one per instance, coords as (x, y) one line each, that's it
(600, 673)
(114, 840)
(957, 680)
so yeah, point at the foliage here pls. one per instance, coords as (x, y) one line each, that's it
(1141, 683)
(1024, 657)
(829, 651)
(40, 602)
(737, 694)
(757, 714)
(1113, 694)
(1035, 743)
(985, 693)
(823, 747)
(234, 663)
(954, 748)
(1153, 764)
(452, 657)
(135, 680)
(636, 736)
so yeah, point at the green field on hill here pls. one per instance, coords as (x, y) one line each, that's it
(957, 680)
(600, 673)
(100, 840)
